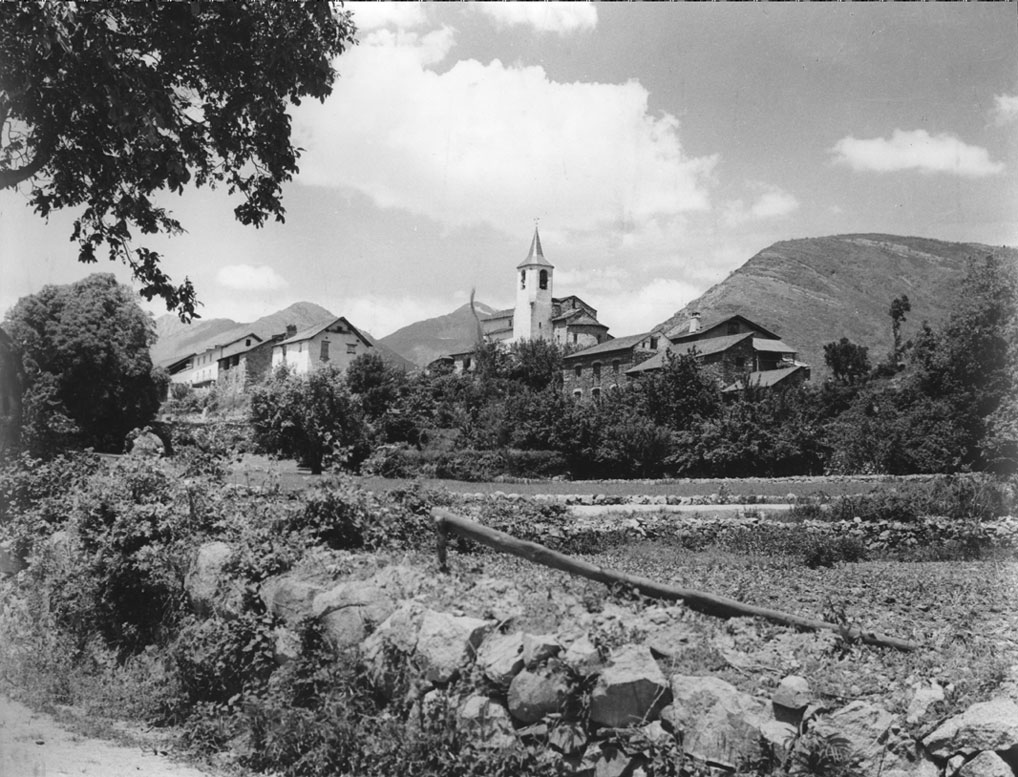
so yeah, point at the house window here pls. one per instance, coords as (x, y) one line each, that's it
(595, 394)
(615, 366)
(466, 362)
(284, 352)
(653, 343)
(247, 342)
(544, 279)
(523, 279)
(300, 347)
(740, 363)
(597, 370)
(351, 347)
(324, 355)
(576, 337)
(577, 394)
(579, 370)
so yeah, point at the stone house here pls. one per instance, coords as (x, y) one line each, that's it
(738, 350)
(201, 369)
(336, 342)
(605, 366)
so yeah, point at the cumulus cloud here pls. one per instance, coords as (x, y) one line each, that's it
(916, 150)
(561, 18)
(496, 144)
(1005, 108)
(246, 277)
(372, 15)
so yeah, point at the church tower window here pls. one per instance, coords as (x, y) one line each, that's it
(523, 279)
(544, 279)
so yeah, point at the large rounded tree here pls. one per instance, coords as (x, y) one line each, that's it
(85, 354)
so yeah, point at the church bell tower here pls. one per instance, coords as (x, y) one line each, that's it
(532, 318)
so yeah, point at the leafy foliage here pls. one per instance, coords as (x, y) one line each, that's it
(104, 104)
(85, 352)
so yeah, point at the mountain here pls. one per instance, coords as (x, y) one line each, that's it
(176, 339)
(424, 341)
(817, 290)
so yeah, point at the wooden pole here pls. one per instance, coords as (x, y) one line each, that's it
(701, 601)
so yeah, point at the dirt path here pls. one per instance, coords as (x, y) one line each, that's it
(35, 745)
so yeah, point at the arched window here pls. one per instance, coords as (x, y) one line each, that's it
(544, 279)
(577, 394)
(523, 279)
(597, 370)
(595, 394)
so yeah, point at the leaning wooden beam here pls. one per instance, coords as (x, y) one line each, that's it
(710, 604)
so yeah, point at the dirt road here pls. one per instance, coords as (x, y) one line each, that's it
(35, 745)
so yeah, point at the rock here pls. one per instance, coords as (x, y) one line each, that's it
(289, 598)
(402, 582)
(446, 643)
(656, 733)
(11, 562)
(568, 738)
(146, 445)
(986, 764)
(487, 722)
(534, 694)
(780, 737)
(582, 657)
(287, 645)
(500, 657)
(631, 690)
(495, 598)
(613, 762)
(924, 698)
(717, 720)
(793, 693)
(989, 725)
(209, 588)
(868, 729)
(538, 648)
(670, 639)
(391, 643)
(349, 611)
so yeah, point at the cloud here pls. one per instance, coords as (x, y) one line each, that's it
(246, 277)
(771, 203)
(1005, 108)
(916, 150)
(496, 144)
(372, 15)
(561, 18)
(644, 307)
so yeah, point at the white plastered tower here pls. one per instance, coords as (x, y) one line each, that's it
(532, 318)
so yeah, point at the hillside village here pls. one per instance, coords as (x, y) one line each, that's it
(738, 351)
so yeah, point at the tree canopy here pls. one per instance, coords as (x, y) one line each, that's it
(85, 354)
(103, 104)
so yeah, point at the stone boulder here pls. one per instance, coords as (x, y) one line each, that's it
(631, 690)
(989, 725)
(349, 611)
(289, 598)
(487, 722)
(391, 645)
(446, 643)
(500, 657)
(793, 693)
(872, 733)
(209, 588)
(582, 657)
(986, 764)
(534, 694)
(538, 648)
(925, 696)
(717, 720)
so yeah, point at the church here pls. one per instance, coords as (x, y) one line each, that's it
(539, 314)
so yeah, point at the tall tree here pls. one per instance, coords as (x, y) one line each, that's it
(85, 354)
(899, 307)
(847, 361)
(103, 104)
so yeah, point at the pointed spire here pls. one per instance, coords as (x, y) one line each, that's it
(536, 254)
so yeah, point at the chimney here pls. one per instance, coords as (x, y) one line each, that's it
(694, 323)
(291, 330)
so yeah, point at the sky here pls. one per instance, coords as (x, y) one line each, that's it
(658, 146)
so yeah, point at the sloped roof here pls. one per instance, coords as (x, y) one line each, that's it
(766, 378)
(499, 314)
(610, 346)
(307, 334)
(771, 346)
(536, 255)
(681, 332)
(702, 348)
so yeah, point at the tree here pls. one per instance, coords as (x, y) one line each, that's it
(899, 307)
(85, 355)
(679, 393)
(847, 361)
(311, 418)
(103, 104)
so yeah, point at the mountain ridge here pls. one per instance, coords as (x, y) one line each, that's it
(424, 341)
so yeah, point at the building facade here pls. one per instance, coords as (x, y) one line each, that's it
(589, 373)
(336, 342)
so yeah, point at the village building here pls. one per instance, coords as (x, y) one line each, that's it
(605, 366)
(739, 351)
(201, 369)
(336, 342)
(538, 315)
